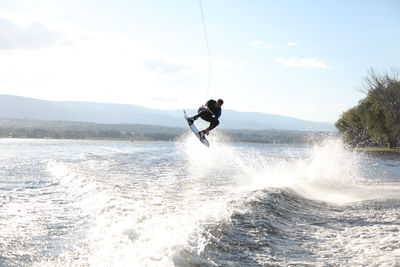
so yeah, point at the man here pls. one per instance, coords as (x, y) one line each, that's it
(210, 112)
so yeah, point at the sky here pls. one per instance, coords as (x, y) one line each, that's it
(306, 59)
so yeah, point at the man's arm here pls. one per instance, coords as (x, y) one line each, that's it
(210, 103)
(218, 114)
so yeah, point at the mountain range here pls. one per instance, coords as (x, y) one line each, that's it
(17, 107)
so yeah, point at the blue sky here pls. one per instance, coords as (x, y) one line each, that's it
(305, 59)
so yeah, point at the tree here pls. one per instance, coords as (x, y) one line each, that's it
(376, 119)
(353, 128)
(384, 93)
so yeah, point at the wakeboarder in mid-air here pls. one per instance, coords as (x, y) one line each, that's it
(210, 112)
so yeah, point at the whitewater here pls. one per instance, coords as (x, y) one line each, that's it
(119, 203)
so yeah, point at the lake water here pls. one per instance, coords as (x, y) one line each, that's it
(109, 203)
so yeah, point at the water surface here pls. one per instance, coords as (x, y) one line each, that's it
(108, 203)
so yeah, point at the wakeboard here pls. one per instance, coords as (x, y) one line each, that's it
(194, 129)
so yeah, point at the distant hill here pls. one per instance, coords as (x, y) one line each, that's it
(16, 107)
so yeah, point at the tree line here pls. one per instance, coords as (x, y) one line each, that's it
(83, 130)
(375, 121)
(138, 132)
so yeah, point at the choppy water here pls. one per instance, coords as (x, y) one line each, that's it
(105, 203)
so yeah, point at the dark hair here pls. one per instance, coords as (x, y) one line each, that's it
(220, 102)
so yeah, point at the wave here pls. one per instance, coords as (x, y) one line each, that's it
(282, 228)
(328, 172)
(227, 205)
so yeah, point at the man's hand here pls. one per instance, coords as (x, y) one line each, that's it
(207, 131)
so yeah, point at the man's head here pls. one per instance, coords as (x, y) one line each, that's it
(219, 103)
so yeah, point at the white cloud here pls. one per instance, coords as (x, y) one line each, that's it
(227, 65)
(303, 62)
(87, 65)
(33, 36)
(164, 67)
(291, 44)
(257, 43)
(262, 44)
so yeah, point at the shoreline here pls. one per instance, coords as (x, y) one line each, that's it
(377, 149)
(361, 149)
(139, 140)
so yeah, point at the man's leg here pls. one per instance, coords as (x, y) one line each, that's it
(201, 112)
(213, 123)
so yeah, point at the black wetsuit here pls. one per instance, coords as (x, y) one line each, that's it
(211, 114)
